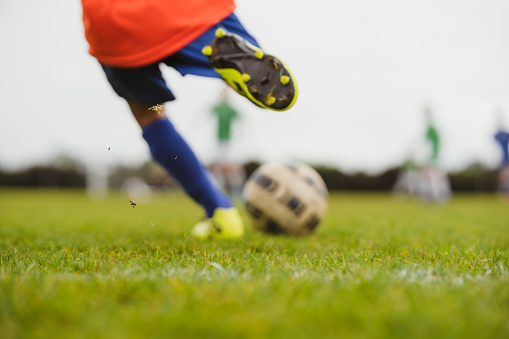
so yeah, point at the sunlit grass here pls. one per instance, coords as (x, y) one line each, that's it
(377, 267)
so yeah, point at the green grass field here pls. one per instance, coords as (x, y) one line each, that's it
(377, 267)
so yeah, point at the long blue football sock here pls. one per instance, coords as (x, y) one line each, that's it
(174, 154)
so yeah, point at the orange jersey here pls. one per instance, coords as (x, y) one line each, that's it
(133, 33)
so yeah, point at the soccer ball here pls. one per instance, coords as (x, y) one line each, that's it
(285, 198)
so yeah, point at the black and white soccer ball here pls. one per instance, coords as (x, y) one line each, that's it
(285, 198)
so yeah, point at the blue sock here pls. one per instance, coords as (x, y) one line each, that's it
(174, 154)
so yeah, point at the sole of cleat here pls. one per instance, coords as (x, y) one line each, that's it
(261, 77)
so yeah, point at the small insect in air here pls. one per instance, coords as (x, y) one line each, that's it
(157, 108)
(132, 202)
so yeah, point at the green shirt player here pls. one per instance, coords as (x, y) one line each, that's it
(432, 136)
(229, 174)
(433, 182)
(434, 139)
(225, 116)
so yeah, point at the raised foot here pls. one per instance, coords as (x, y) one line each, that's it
(262, 78)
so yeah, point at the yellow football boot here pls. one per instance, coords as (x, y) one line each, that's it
(261, 77)
(225, 223)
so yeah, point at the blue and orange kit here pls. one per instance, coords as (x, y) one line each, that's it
(134, 33)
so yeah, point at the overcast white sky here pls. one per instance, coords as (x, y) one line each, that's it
(365, 70)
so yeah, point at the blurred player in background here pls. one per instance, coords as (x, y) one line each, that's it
(425, 181)
(132, 38)
(502, 137)
(229, 173)
(407, 180)
(433, 182)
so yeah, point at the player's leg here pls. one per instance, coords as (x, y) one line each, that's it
(174, 154)
(169, 149)
(143, 88)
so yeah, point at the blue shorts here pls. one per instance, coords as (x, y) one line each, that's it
(146, 84)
